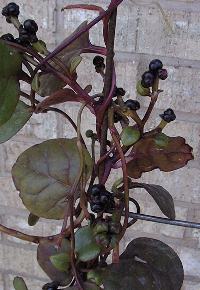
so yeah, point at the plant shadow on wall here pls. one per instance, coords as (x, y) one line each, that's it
(54, 176)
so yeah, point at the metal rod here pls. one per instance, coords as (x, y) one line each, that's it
(160, 220)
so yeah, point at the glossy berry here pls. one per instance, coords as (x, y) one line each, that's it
(97, 208)
(168, 116)
(12, 9)
(117, 118)
(147, 79)
(100, 67)
(155, 65)
(97, 189)
(120, 92)
(132, 105)
(98, 60)
(23, 34)
(8, 37)
(163, 74)
(30, 26)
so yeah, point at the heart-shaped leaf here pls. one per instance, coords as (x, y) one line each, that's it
(70, 56)
(45, 173)
(10, 61)
(19, 284)
(61, 261)
(157, 256)
(32, 219)
(129, 136)
(85, 245)
(161, 196)
(18, 119)
(9, 96)
(48, 249)
(146, 155)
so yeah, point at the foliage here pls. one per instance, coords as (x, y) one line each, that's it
(61, 179)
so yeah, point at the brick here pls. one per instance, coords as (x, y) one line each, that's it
(191, 261)
(191, 286)
(183, 42)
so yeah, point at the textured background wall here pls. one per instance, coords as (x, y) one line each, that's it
(141, 35)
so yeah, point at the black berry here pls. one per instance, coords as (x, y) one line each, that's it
(30, 26)
(147, 79)
(163, 74)
(23, 34)
(117, 117)
(120, 92)
(96, 207)
(8, 37)
(97, 189)
(168, 116)
(155, 65)
(132, 105)
(98, 60)
(12, 9)
(100, 67)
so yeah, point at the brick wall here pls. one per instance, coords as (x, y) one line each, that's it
(141, 35)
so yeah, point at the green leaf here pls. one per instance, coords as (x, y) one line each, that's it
(10, 61)
(157, 256)
(161, 196)
(45, 173)
(61, 261)
(18, 119)
(45, 251)
(70, 56)
(9, 96)
(162, 140)
(85, 244)
(19, 284)
(129, 136)
(32, 219)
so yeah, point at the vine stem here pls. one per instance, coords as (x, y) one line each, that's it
(107, 87)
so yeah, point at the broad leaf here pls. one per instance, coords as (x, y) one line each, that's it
(129, 136)
(85, 244)
(32, 219)
(10, 61)
(159, 257)
(48, 249)
(61, 261)
(48, 83)
(18, 119)
(45, 173)
(9, 96)
(161, 196)
(147, 155)
(19, 284)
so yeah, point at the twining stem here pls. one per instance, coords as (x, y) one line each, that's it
(107, 86)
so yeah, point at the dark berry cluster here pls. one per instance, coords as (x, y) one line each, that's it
(132, 105)
(27, 32)
(101, 199)
(99, 64)
(168, 116)
(11, 10)
(155, 70)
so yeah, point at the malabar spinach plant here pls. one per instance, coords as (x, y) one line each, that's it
(60, 179)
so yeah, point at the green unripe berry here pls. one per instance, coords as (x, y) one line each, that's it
(141, 90)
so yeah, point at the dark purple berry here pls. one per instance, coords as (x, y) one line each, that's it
(8, 37)
(147, 79)
(97, 189)
(96, 207)
(168, 116)
(163, 74)
(98, 60)
(132, 105)
(33, 38)
(117, 117)
(155, 65)
(30, 26)
(120, 92)
(12, 9)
